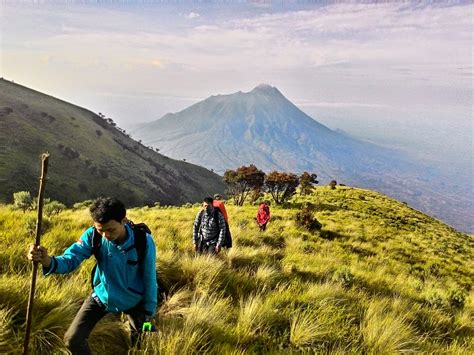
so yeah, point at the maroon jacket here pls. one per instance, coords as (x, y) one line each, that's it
(263, 214)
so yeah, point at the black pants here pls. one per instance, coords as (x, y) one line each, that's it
(262, 227)
(207, 248)
(76, 337)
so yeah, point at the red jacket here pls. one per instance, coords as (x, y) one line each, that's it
(220, 205)
(263, 214)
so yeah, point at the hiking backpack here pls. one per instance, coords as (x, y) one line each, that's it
(140, 231)
(227, 236)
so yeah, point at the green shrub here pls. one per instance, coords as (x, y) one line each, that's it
(306, 220)
(456, 298)
(434, 299)
(22, 200)
(344, 276)
(30, 225)
(82, 205)
(53, 208)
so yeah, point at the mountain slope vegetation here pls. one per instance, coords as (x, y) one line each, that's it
(90, 156)
(379, 277)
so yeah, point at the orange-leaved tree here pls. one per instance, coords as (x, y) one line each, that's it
(281, 185)
(242, 181)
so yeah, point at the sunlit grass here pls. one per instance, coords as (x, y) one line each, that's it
(368, 282)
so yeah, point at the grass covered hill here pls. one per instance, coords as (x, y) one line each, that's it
(379, 277)
(89, 155)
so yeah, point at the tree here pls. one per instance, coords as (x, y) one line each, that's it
(307, 181)
(22, 200)
(255, 195)
(242, 181)
(111, 121)
(333, 184)
(281, 186)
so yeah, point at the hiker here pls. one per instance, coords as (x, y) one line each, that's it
(209, 230)
(263, 215)
(220, 205)
(124, 279)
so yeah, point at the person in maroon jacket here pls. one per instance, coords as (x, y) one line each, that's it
(263, 215)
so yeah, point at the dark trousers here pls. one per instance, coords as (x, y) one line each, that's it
(262, 227)
(207, 248)
(76, 337)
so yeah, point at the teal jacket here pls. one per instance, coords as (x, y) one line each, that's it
(119, 285)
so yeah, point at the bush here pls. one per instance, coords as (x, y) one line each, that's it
(305, 219)
(53, 208)
(344, 276)
(30, 225)
(82, 205)
(34, 203)
(434, 299)
(456, 298)
(22, 200)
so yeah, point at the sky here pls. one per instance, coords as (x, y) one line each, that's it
(398, 74)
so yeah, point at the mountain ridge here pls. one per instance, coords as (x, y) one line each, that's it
(89, 155)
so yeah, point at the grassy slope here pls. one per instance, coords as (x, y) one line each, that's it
(106, 159)
(379, 278)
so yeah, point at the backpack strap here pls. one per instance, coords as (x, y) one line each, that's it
(140, 231)
(200, 222)
(96, 243)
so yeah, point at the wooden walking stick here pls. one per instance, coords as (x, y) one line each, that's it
(39, 220)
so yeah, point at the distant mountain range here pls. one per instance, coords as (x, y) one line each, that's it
(264, 128)
(90, 156)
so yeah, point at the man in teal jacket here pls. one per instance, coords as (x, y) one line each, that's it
(121, 282)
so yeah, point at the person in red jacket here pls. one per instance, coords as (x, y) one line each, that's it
(220, 205)
(263, 215)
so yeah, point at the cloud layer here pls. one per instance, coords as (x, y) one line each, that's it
(365, 55)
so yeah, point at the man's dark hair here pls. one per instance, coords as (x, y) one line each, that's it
(208, 200)
(105, 209)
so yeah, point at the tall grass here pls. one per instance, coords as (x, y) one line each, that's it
(386, 331)
(368, 282)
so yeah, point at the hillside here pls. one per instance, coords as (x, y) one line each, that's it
(264, 128)
(89, 156)
(380, 277)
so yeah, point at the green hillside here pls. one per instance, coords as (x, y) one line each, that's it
(378, 278)
(89, 156)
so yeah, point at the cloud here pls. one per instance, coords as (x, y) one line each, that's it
(304, 103)
(157, 63)
(346, 54)
(352, 34)
(192, 15)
